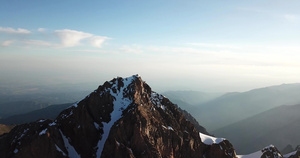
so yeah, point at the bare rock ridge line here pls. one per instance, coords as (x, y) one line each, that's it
(121, 118)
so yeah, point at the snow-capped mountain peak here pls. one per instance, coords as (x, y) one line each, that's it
(121, 118)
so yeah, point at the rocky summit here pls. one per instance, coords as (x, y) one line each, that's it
(121, 118)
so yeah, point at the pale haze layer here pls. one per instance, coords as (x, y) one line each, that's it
(174, 45)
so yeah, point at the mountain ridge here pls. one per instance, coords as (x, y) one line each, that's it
(121, 118)
(217, 113)
(49, 112)
(264, 129)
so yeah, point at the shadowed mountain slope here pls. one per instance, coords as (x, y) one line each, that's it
(279, 126)
(233, 107)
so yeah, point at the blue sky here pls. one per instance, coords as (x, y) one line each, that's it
(174, 45)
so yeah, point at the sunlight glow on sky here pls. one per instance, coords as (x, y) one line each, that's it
(174, 45)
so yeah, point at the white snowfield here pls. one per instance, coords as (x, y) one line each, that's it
(209, 140)
(257, 154)
(120, 103)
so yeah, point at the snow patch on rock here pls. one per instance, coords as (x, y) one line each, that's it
(96, 126)
(257, 154)
(209, 140)
(71, 151)
(168, 128)
(156, 99)
(120, 103)
(58, 149)
(75, 105)
(43, 132)
(52, 124)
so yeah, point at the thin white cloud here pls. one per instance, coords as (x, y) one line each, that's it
(37, 43)
(135, 49)
(41, 29)
(65, 38)
(180, 50)
(71, 38)
(242, 55)
(96, 51)
(97, 41)
(213, 45)
(12, 30)
(7, 43)
(167, 50)
(254, 10)
(290, 17)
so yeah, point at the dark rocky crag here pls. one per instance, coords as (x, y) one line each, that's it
(122, 118)
(271, 152)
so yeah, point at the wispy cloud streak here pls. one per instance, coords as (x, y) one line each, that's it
(15, 31)
(65, 38)
(286, 16)
(71, 38)
(97, 41)
(7, 43)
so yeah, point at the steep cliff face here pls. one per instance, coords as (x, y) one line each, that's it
(121, 118)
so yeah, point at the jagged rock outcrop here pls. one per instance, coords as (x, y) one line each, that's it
(271, 152)
(121, 118)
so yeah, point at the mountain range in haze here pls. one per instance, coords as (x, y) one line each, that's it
(279, 126)
(19, 100)
(262, 128)
(257, 129)
(50, 112)
(218, 112)
(191, 98)
(121, 118)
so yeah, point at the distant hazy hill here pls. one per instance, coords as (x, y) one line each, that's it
(190, 100)
(233, 107)
(191, 97)
(17, 107)
(49, 112)
(279, 126)
(23, 100)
